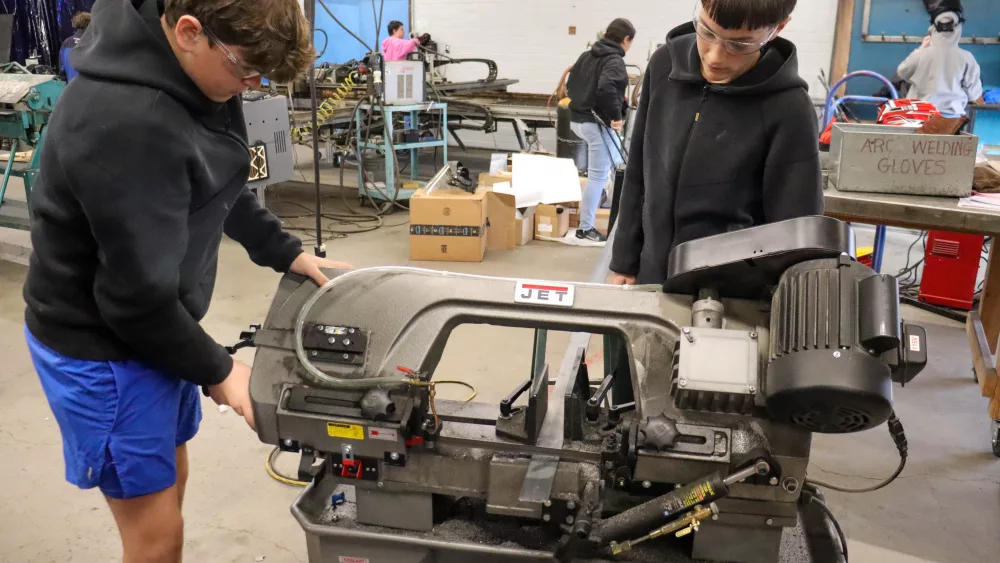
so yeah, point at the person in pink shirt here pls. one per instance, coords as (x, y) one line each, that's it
(395, 47)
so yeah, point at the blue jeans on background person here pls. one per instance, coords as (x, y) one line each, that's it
(604, 154)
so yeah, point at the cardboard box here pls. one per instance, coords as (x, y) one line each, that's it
(448, 225)
(551, 221)
(501, 232)
(488, 181)
(525, 229)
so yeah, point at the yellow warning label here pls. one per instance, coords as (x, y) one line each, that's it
(346, 431)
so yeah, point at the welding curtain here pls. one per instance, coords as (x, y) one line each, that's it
(40, 27)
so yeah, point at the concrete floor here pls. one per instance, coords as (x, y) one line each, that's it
(943, 509)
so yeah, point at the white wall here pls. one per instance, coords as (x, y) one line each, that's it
(530, 39)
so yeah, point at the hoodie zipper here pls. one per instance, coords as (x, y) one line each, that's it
(680, 168)
(697, 114)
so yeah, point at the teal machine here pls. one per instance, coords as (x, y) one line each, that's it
(26, 104)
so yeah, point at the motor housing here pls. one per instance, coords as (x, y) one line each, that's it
(826, 372)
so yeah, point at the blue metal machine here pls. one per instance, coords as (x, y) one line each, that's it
(26, 105)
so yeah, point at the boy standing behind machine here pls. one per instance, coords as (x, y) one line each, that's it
(724, 139)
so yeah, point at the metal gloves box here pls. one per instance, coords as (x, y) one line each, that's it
(898, 160)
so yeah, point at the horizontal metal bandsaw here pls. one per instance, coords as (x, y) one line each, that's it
(758, 339)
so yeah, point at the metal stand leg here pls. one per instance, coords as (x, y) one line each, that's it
(880, 232)
(414, 163)
(7, 171)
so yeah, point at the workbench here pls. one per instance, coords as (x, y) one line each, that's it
(938, 213)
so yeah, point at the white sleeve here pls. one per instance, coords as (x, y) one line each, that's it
(908, 67)
(972, 81)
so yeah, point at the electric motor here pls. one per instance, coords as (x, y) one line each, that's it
(832, 320)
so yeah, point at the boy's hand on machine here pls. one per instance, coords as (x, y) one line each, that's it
(309, 265)
(234, 392)
(617, 125)
(621, 279)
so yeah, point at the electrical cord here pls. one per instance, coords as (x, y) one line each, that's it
(899, 438)
(326, 109)
(813, 496)
(326, 42)
(271, 457)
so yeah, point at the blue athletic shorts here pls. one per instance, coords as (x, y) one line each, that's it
(121, 422)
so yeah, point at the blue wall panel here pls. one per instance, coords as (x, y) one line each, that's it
(357, 15)
(895, 17)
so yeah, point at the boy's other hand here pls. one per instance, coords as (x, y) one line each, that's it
(309, 265)
(617, 125)
(621, 279)
(234, 392)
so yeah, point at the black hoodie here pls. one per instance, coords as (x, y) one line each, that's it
(712, 158)
(140, 176)
(598, 83)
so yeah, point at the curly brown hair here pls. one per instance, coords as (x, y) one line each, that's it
(273, 34)
(81, 21)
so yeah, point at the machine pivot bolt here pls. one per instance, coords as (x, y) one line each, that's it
(546, 517)
(773, 481)
(753, 336)
(836, 353)
(770, 521)
(347, 450)
(682, 382)
(790, 484)
(753, 389)
(646, 485)
(394, 456)
(548, 504)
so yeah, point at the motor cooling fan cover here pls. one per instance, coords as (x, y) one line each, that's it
(830, 392)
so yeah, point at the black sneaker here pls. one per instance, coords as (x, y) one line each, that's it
(592, 236)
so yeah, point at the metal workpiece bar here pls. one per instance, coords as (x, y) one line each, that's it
(542, 471)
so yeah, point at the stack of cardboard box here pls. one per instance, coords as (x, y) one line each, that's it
(455, 226)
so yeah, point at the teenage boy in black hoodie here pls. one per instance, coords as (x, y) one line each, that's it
(725, 137)
(145, 167)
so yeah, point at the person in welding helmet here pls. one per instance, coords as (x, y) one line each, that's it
(941, 72)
